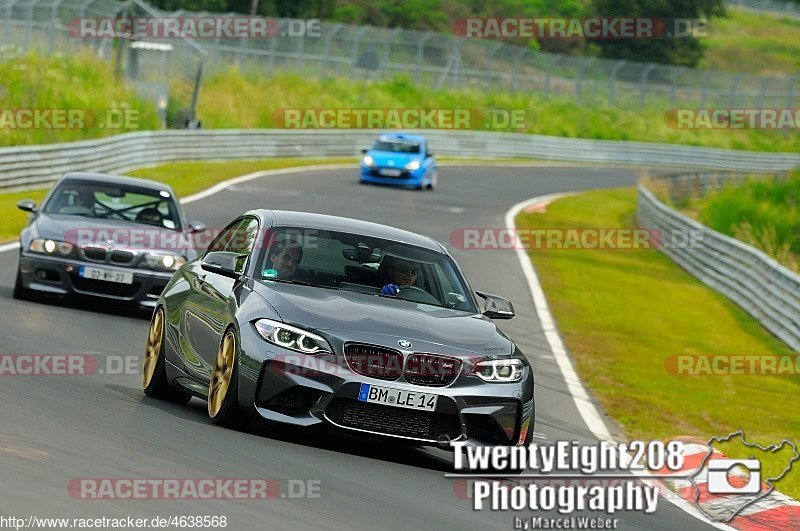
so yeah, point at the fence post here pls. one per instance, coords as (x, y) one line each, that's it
(549, 74)
(359, 34)
(490, 58)
(388, 55)
(612, 89)
(734, 88)
(420, 50)
(643, 82)
(328, 46)
(704, 89)
(762, 91)
(789, 93)
(674, 87)
(515, 67)
(29, 26)
(579, 82)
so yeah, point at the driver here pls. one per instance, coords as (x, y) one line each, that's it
(402, 273)
(285, 258)
(85, 199)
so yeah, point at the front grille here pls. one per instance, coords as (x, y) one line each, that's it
(122, 257)
(98, 254)
(376, 172)
(390, 420)
(374, 361)
(430, 369)
(104, 288)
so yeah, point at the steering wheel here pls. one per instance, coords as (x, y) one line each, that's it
(415, 294)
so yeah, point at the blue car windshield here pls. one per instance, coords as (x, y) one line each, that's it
(396, 146)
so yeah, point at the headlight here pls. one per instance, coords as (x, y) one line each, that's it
(368, 161)
(40, 245)
(499, 370)
(413, 165)
(292, 337)
(168, 262)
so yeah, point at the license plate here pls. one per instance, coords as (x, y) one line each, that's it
(106, 275)
(374, 394)
(390, 173)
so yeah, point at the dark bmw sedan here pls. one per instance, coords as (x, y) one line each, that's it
(118, 238)
(307, 319)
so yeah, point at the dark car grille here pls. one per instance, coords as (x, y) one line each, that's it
(373, 361)
(430, 369)
(105, 288)
(122, 257)
(404, 174)
(98, 254)
(390, 420)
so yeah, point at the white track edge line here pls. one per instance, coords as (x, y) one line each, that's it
(589, 413)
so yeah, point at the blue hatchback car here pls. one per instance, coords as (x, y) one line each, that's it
(401, 160)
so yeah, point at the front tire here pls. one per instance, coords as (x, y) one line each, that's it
(20, 292)
(154, 371)
(223, 388)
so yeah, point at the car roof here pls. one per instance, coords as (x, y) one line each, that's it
(402, 136)
(116, 179)
(309, 220)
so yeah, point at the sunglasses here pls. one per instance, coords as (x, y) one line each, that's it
(408, 270)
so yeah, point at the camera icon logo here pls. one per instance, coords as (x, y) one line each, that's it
(722, 471)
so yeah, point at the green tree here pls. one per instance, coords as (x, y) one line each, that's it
(684, 50)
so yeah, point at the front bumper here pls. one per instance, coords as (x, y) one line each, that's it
(372, 174)
(304, 390)
(59, 276)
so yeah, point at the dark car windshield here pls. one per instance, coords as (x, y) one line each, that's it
(365, 264)
(114, 201)
(396, 146)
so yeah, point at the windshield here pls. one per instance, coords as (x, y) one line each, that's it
(396, 146)
(113, 201)
(364, 264)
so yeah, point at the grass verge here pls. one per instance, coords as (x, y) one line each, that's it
(624, 314)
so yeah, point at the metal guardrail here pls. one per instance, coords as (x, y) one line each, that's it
(764, 288)
(27, 166)
(782, 8)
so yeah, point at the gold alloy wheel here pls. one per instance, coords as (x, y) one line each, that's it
(152, 349)
(221, 375)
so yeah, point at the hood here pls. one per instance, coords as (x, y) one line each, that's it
(83, 230)
(392, 159)
(353, 316)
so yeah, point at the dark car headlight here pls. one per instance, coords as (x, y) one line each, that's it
(291, 337)
(500, 371)
(164, 262)
(51, 247)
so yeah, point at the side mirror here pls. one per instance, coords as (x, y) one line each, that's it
(27, 205)
(196, 226)
(224, 263)
(496, 307)
(430, 154)
(364, 151)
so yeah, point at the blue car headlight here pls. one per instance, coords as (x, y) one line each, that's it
(413, 165)
(368, 161)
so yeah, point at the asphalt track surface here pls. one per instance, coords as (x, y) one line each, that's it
(54, 429)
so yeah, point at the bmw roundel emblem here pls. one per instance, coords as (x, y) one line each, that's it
(403, 343)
